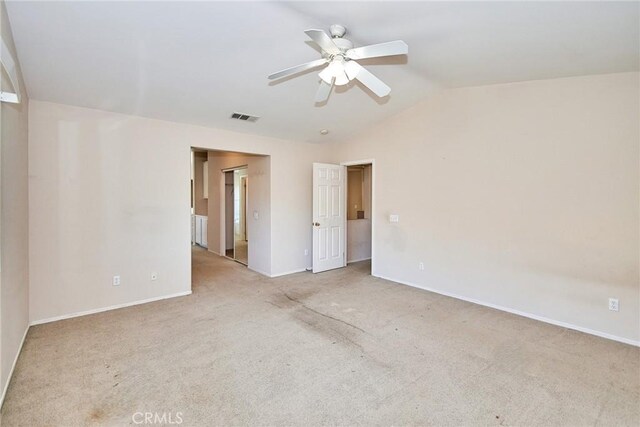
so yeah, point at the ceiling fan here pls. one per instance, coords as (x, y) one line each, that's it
(341, 57)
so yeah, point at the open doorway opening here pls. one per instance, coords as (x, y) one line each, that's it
(199, 198)
(343, 214)
(230, 209)
(359, 212)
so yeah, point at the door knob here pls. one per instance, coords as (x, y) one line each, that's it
(317, 224)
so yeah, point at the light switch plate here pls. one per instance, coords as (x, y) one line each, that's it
(394, 218)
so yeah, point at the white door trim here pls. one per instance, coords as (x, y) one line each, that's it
(235, 168)
(222, 214)
(372, 162)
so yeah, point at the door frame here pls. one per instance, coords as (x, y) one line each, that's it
(223, 214)
(244, 203)
(371, 162)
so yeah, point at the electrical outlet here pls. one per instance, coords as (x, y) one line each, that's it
(116, 280)
(154, 276)
(306, 252)
(421, 266)
(614, 304)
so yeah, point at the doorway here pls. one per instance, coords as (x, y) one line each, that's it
(235, 219)
(199, 198)
(343, 215)
(235, 190)
(359, 212)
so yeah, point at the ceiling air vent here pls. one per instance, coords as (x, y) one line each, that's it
(244, 117)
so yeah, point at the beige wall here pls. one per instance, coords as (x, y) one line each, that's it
(523, 196)
(358, 191)
(354, 192)
(366, 191)
(14, 225)
(96, 213)
(201, 205)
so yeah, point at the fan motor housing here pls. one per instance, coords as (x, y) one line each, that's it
(337, 30)
(343, 44)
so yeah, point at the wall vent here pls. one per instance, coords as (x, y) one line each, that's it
(244, 117)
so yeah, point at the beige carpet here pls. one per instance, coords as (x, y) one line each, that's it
(338, 348)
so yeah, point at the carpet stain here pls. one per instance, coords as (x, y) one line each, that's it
(296, 300)
(97, 414)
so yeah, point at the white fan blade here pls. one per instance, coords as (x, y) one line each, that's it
(397, 47)
(352, 68)
(298, 68)
(324, 41)
(376, 85)
(323, 91)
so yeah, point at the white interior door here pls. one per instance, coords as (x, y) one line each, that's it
(329, 216)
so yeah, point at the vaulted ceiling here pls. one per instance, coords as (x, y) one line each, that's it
(197, 62)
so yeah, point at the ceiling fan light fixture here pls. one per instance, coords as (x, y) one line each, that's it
(351, 69)
(341, 79)
(326, 76)
(342, 57)
(335, 70)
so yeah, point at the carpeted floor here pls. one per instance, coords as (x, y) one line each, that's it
(338, 348)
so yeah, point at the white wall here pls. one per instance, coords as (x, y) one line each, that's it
(100, 205)
(14, 225)
(523, 195)
(358, 240)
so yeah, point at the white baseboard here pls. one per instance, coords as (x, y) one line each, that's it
(13, 366)
(213, 252)
(272, 276)
(350, 261)
(519, 313)
(288, 272)
(258, 271)
(112, 307)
